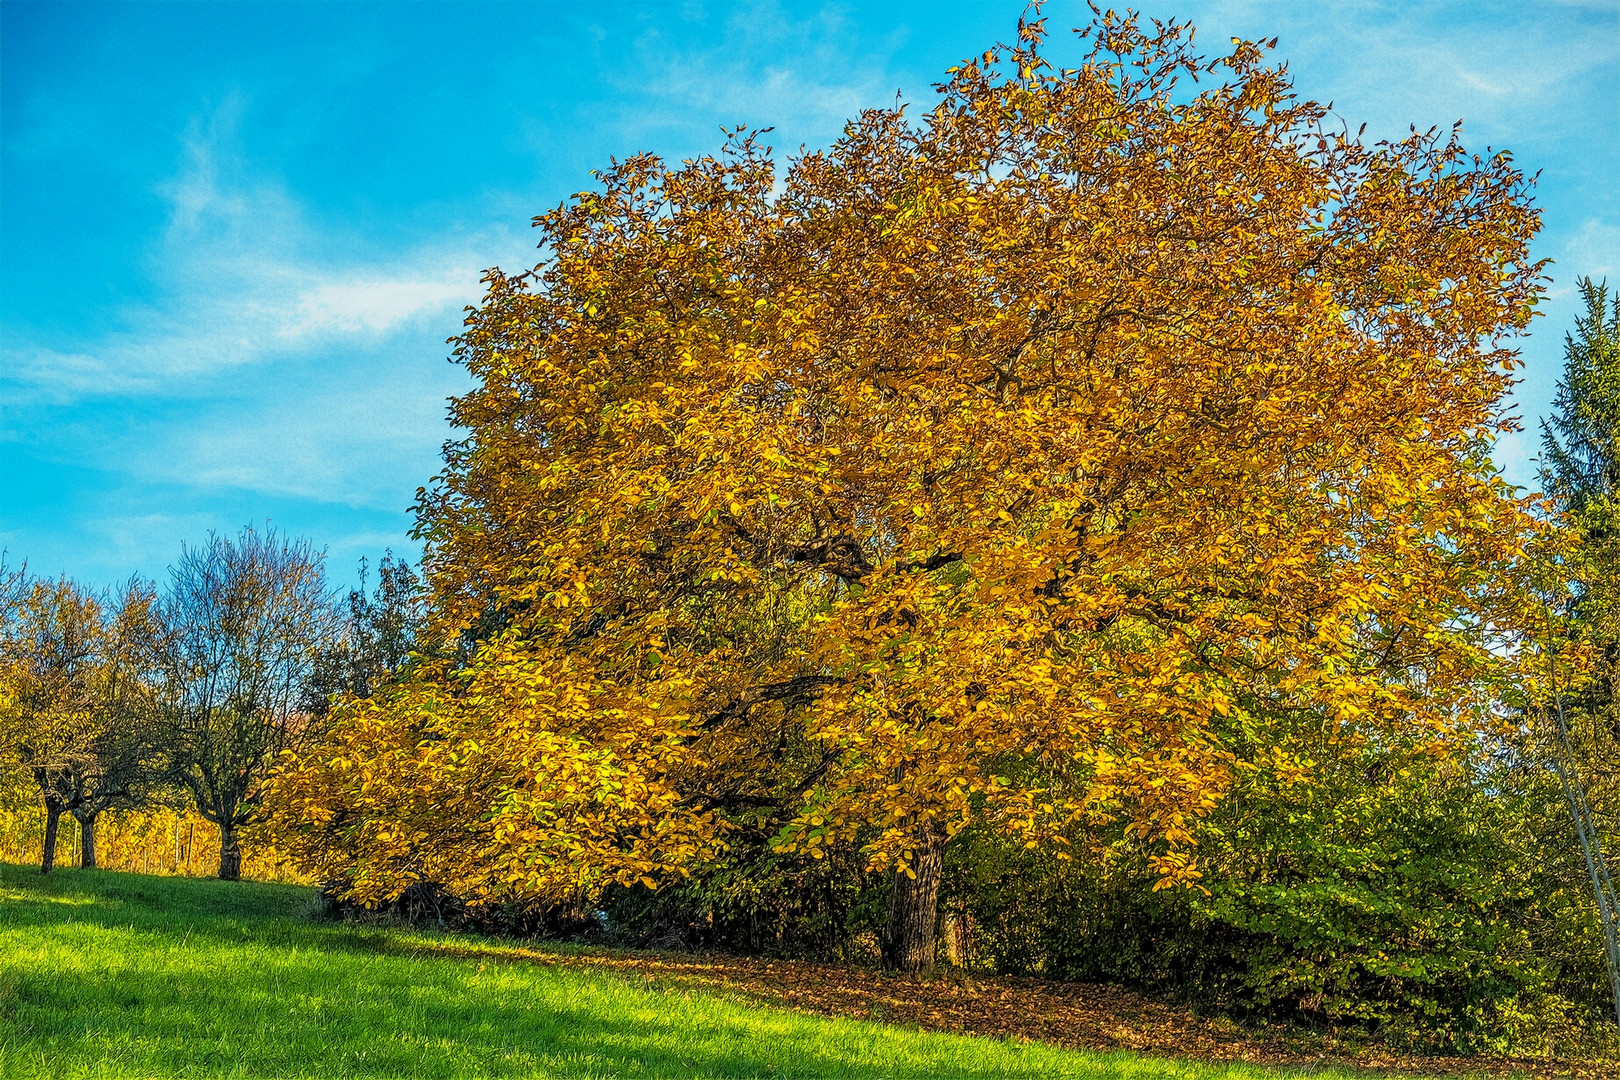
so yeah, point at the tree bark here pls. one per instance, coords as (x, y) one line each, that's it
(910, 934)
(53, 818)
(230, 854)
(87, 841)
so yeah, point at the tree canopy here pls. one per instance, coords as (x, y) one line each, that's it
(245, 623)
(1037, 459)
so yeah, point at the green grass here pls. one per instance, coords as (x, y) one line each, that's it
(106, 974)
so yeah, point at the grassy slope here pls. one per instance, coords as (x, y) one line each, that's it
(106, 974)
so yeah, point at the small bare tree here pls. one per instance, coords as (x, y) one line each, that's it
(244, 622)
(379, 633)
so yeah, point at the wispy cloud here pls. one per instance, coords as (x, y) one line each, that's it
(374, 306)
(363, 433)
(241, 278)
(268, 359)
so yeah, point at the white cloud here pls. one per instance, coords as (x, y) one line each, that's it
(269, 359)
(240, 278)
(374, 305)
(361, 430)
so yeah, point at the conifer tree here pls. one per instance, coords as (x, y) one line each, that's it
(1581, 449)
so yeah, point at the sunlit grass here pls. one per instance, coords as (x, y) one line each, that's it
(105, 974)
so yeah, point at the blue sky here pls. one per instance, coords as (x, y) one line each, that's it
(234, 236)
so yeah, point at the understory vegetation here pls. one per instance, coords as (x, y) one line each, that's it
(1436, 910)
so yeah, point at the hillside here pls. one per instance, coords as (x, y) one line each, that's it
(107, 974)
(122, 975)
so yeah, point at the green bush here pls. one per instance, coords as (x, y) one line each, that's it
(1427, 905)
(1413, 899)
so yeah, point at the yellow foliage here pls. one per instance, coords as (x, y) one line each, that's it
(1024, 463)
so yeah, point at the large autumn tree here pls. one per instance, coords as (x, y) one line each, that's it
(1024, 461)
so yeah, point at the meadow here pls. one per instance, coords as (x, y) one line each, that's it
(106, 974)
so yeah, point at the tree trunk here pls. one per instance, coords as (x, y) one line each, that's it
(230, 854)
(909, 935)
(87, 841)
(53, 818)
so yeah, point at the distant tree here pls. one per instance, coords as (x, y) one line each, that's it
(379, 631)
(1581, 440)
(13, 591)
(76, 708)
(51, 647)
(1581, 458)
(245, 622)
(129, 758)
